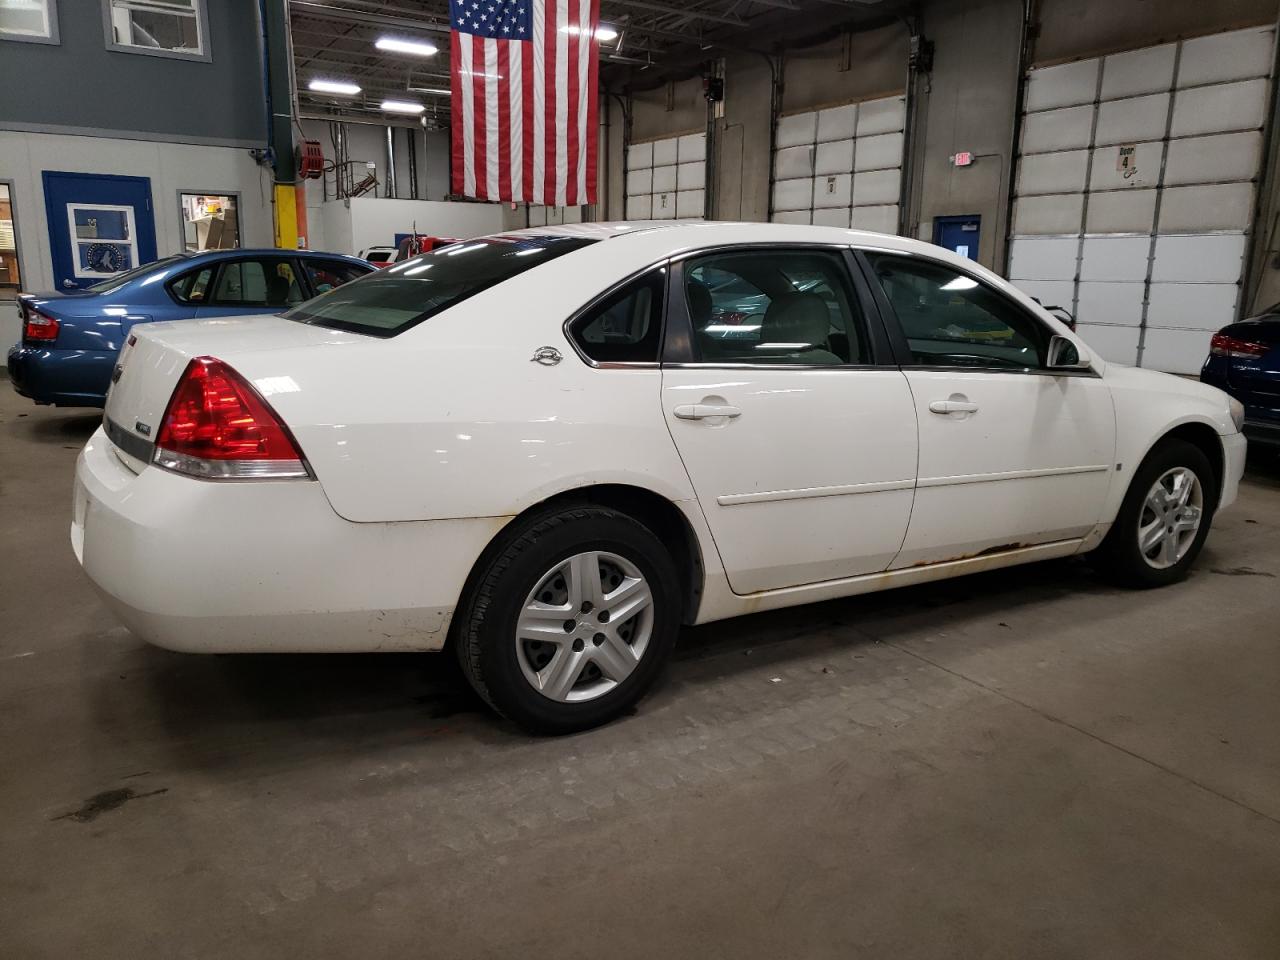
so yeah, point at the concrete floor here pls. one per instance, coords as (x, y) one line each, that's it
(1021, 764)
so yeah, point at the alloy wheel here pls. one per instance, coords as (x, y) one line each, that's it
(1170, 519)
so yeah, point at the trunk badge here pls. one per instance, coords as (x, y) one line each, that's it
(547, 356)
(142, 428)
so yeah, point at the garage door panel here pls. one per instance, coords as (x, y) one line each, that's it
(879, 152)
(835, 190)
(833, 157)
(1121, 211)
(1106, 173)
(1175, 351)
(794, 162)
(639, 181)
(691, 148)
(793, 194)
(791, 216)
(1135, 72)
(664, 178)
(1115, 258)
(1043, 258)
(639, 155)
(1215, 258)
(640, 208)
(691, 176)
(690, 203)
(1115, 344)
(1228, 156)
(880, 219)
(1055, 130)
(831, 217)
(1065, 85)
(881, 116)
(876, 187)
(1219, 206)
(1048, 214)
(664, 205)
(1192, 306)
(1053, 172)
(1114, 303)
(796, 129)
(665, 152)
(837, 123)
(1238, 55)
(1132, 120)
(1219, 108)
(1050, 293)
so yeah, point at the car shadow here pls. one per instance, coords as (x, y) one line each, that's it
(62, 428)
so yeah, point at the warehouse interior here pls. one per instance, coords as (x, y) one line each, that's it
(1024, 763)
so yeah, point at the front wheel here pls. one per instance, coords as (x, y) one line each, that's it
(1164, 519)
(571, 622)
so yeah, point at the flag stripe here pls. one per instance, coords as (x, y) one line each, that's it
(456, 153)
(592, 175)
(572, 80)
(468, 118)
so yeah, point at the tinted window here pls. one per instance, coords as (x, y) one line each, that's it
(626, 326)
(396, 298)
(776, 306)
(328, 275)
(952, 320)
(192, 287)
(120, 279)
(269, 282)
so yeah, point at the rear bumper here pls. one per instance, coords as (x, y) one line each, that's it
(66, 378)
(262, 566)
(1234, 449)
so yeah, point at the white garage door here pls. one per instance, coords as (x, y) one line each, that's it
(667, 178)
(1135, 192)
(841, 166)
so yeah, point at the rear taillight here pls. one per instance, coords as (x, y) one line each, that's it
(1224, 346)
(39, 328)
(218, 427)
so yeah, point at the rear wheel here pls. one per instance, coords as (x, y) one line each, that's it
(1164, 519)
(571, 622)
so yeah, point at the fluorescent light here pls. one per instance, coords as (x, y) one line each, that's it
(418, 48)
(333, 86)
(604, 33)
(433, 91)
(402, 106)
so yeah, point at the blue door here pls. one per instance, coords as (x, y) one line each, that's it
(99, 226)
(959, 234)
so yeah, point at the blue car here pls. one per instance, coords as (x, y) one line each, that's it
(70, 340)
(1244, 360)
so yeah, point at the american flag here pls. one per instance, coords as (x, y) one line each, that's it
(525, 99)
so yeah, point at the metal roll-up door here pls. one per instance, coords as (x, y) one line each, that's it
(1135, 192)
(667, 178)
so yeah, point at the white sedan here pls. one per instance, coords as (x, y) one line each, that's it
(549, 449)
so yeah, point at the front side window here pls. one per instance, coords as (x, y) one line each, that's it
(256, 283)
(626, 326)
(774, 307)
(29, 20)
(952, 320)
(326, 275)
(167, 28)
(390, 301)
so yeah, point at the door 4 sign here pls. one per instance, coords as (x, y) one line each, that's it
(1127, 160)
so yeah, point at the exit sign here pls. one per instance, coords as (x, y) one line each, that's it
(962, 159)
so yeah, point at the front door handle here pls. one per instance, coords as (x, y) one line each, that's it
(952, 406)
(704, 411)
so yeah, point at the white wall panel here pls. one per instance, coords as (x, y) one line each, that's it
(692, 147)
(1227, 156)
(881, 116)
(1065, 85)
(1219, 108)
(1192, 306)
(1106, 175)
(831, 217)
(833, 157)
(880, 219)
(797, 128)
(665, 152)
(794, 162)
(1210, 259)
(690, 203)
(1114, 344)
(837, 123)
(1043, 258)
(1053, 172)
(1050, 213)
(1065, 129)
(1175, 351)
(1238, 55)
(793, 195)
(1132, 120)
(879, 152)
(1219, 206)
(1050, 293)
(1115, 258)
(1111, 303)
(1135, 72)
(876, 187)
(1121, 211)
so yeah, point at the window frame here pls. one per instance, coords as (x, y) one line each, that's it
(203, 55)
(52, 37)
(182, 223)
(178, 278)
(663, 266)
(221, 265)
(678, 349)
(898, 337)
(309, 288)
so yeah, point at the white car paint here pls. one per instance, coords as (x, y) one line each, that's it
(426, 444)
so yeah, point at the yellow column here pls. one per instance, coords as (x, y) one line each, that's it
(286, 210)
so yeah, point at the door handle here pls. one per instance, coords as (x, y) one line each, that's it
(704, 411)
(69, 284)
(952, 406)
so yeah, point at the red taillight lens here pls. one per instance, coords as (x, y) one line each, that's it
(217, 426)
(1223, 346)
(39, 328)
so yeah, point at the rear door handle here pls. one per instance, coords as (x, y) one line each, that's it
(703, 411)
(952, 406)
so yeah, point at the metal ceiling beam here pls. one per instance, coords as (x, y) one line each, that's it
(331, 11)
(731, 19)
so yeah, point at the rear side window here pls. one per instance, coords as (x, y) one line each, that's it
(391, 301)
(328, 275)
(256, 283)
(192, 287)
(626, 326)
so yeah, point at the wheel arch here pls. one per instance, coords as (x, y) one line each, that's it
(1204, 437)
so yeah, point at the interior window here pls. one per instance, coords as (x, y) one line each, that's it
(328, 274)
(257, 283)
(192, 287)
(774, 306)
(624, 328)
(952, 320)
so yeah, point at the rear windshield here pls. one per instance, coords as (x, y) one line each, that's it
(390, 301)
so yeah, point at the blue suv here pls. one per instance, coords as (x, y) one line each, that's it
(1244, 360)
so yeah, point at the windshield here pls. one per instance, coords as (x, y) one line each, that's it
(391, 301)
(120, 279)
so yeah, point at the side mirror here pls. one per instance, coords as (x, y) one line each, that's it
(1065, 355)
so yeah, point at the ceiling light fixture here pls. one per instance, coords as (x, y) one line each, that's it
(402, 106)
(604, 32)
(418, 48)
(334, 86)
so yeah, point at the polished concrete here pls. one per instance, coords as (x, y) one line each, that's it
(1024, 764)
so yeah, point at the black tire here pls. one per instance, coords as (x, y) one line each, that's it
(486, 641)
(1119, 557)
